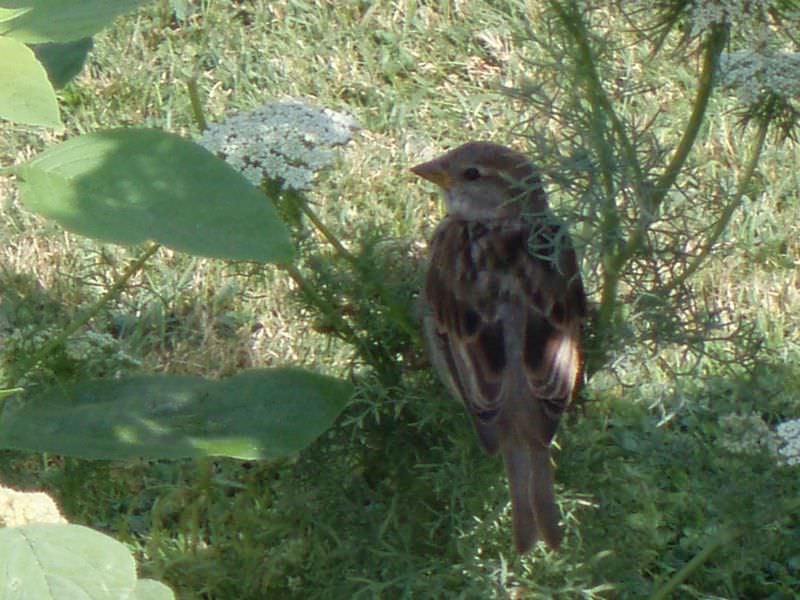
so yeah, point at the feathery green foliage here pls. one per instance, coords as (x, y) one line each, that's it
(397, 499)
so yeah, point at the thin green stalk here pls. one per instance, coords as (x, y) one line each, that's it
(398, 313)
(575, 26)
(602, 110)
(597, 354)
(6, 392)
(713, 49)
(724, 537)
(651, 200)
(371, 354)
(327, 233)
(197, 107)
(667, 180)
(87, 316)
(321, 303)
(730, 209)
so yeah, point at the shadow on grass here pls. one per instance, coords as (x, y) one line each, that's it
(397, 500)
(662, 493)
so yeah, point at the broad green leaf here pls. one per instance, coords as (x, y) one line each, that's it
(127, 186)
(6, 14)
(26, 95)
(256, 414)
(58, 562)
(39, 21)
(148, 589)
(63, 61)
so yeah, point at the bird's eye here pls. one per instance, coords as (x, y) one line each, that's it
(471, 174)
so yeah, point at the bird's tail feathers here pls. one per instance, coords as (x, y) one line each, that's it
(544, 498)
(519, 468)
(533, 504)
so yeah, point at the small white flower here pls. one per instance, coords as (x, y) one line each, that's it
(707, 13)
(747, 434)
(286, 141)
(753, 74)
(789, 434)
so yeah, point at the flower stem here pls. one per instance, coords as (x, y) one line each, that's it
(713, 48)
(372, 354)
(601, 104)
(722, 224)
(653, 200)
(724, 537)
(87, 316)
(327, 233)
(320, 303)
(398, 312)
(197, 107)
(603, 115)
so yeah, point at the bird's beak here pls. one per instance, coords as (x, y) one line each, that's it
(434, 171)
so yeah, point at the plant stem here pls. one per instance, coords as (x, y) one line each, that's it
(87, 316)
(381, 360)
(726, 536)
(327, 233)
(713, 48)
(651, 200)
(197, 107)
(654, 198)
(321, 303)
(398, 313)
(602, 113)
(722, 538)
(722, 224)
(574, 24)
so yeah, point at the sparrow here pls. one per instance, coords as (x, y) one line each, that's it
(503, 307)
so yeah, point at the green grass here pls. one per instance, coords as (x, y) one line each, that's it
(397, 499)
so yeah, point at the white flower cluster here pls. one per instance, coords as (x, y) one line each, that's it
(707, 13)
(753, 74)
(789, 434)
(98, 350)
(286, 141)
(99, 347)
(747, 434)
(28, 338)
(21, 508)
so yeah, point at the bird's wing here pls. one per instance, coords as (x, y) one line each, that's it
(506, 303)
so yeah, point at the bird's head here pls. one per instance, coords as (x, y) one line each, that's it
(483, 180)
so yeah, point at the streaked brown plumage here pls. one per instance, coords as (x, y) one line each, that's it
(504, 306)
